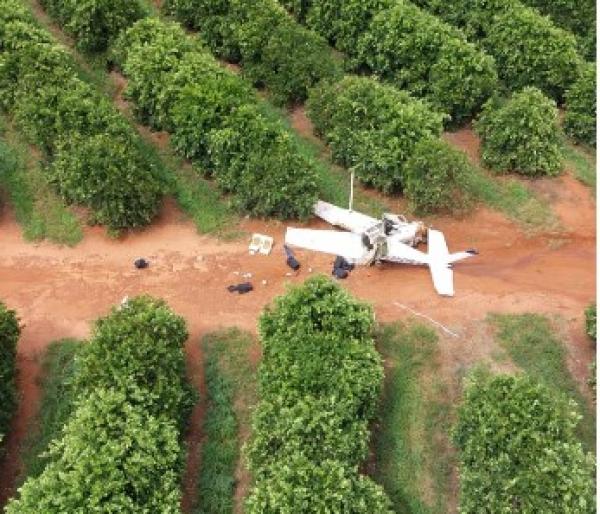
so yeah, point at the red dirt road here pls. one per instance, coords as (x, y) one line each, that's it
(58, 292)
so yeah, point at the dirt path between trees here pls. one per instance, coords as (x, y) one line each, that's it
(58, 292)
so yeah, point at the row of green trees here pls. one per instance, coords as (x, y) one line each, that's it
(528, 48)
(519, 451)
(576, 16)
(9, 336)
(391, 140)
(94, 157)
(216, 120)
(273, 50)
(406, 46)
(319, 385)
(94, 24)
(120, 450)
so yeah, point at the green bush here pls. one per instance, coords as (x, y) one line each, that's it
(521, 134)
(111, 457)
(343, 22)
(216, 121)
(280, 428)
(591, 381)
(320, 380)
(580, 100)
(55, 108)
(528, 48)
(138, 347)
(273, 50)
(576, 16)
(408, 47)
(120, 449)
(109, 174)
(590, 321)
(9, 335)
(418, 52)
(437, 178)
(518, 450)
(94, 24)
(530, 51)
(372, 128)
(300, 485)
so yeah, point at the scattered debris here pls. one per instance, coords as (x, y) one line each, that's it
(243, 288)
(247, 275)
(141, 263)
(341, 268)
(420, 315)
(260, 244)
(264, 282)
(291, 261)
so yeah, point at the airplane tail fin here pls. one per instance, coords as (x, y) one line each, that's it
(440, 262)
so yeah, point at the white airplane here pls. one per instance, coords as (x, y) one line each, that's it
(370, 240)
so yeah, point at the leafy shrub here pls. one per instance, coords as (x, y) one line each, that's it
(120, 451)
(273, 50)
(54, 108)
(436, 178)
(591, 381)
(521, 134)
(138, 348)
(518, 450)
(320, 379)
(280, 428)
(528, 48)
(372, 128)
(94, 23)
(576, 16)
(343, 22)
(109, 174)
(260, 164)
(530, 51)
(591, 329)
(301, 485)
(216, 121)
(416, 51)
(580, 116)
(111, 457)
(9, 335)
(408, 47)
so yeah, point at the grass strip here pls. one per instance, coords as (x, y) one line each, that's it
(582, 162)
(532, 343)
(413, 460)
(38, 209)
(56, 404)
(231, 391)
(513, 199)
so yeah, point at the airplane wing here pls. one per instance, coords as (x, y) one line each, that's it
(346, 244)
(350, 220)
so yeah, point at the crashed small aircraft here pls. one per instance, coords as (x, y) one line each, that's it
(370, 240)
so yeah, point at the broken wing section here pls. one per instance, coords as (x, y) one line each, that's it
(443, 278)
(350, 220)
(346, 244)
